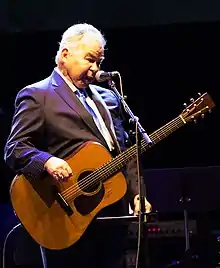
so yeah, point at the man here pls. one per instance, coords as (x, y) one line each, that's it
(53, 118)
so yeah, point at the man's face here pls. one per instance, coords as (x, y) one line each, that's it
(82, 63)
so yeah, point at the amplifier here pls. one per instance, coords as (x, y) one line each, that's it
(163, 229)
(165, 243)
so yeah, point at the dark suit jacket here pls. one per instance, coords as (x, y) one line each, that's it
(49, 120)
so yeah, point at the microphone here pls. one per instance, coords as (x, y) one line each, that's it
(102, 76)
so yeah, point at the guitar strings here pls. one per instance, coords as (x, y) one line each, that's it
(92, 178)
(95, 176)
(87, 181)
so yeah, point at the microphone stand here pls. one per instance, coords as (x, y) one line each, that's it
(111, 83)
(141, 187)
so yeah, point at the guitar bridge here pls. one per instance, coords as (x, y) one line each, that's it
(63, 204)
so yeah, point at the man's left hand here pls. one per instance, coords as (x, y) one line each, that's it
(148, 206)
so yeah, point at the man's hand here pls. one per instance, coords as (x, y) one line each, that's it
(148, 206)
(58, 169)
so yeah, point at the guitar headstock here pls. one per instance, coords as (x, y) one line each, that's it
(197, 108)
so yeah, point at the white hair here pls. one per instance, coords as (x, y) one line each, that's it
(74, 34)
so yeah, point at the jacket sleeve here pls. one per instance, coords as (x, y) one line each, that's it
(23, 151)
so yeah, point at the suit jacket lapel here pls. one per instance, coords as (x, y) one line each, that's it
(72, 100)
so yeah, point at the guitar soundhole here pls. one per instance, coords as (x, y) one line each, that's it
(88, 185)
(87, 203)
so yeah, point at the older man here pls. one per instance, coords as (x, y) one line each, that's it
(53, 118)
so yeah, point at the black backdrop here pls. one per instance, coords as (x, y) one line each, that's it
(52, 15)
(162, 67)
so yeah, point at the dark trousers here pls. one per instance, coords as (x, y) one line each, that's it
(101, 246)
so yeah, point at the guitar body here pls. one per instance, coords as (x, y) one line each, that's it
(41, 213)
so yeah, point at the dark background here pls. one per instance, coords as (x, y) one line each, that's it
(51, 15)
(166, 52)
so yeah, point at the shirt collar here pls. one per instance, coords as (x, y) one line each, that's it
(71, 85)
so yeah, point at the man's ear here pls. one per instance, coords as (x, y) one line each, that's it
(64, 55)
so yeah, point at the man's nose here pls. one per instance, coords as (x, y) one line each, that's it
(94, 68)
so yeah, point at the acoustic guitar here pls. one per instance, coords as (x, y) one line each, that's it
(57, 214)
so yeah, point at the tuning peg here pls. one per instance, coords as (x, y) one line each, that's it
(210, 110)
(185, 105)
(202, 115)
(193, 119)
(199, 94)
(192, 100)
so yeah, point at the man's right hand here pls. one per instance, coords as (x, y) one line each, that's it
(58, 169)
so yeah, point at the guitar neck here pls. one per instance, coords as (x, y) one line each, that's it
(164, 132)
(122, 159)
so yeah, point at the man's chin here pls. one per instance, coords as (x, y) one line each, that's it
(81, 84)
(85, 83)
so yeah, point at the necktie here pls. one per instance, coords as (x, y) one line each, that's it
(84, 98)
